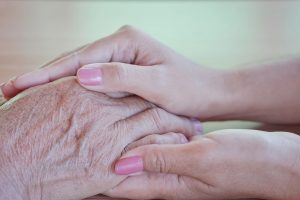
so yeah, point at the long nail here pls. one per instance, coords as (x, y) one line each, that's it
(129, 165)
(90, 76)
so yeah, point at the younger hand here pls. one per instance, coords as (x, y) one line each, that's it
(130, 61)
(227, 164)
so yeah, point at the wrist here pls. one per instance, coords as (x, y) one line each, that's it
(224, 98)
(290, 162)
(281, 172)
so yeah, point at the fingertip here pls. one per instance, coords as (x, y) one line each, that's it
(9, 90)
(129, 165)
(33, 78)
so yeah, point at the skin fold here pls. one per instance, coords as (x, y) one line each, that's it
(228, 164)
(59, 140)
(131, 61)
(225, 164)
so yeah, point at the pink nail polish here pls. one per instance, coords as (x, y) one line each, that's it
(183, 140)
(129, 165)
(90, 76)
(198, 127)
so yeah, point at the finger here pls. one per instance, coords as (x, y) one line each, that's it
(50, 63)
(150, 186)
(156, 121)
(168, 138)
(171, 159)
(8, 89)
(100, 51)
(131, 106)
(143, 81)
(66, 66)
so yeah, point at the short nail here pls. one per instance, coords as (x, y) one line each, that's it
(198, 127)
(183, 140)
(90, 76)
(8, 90)
(129, 165)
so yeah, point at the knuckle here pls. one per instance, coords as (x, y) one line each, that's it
(159, 119)
(155, 139)
(116, 71)
(157, 160)
(175, 137)
(126, 27)
(128, 30)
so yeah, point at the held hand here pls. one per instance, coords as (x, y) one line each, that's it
(228, 164)
(59, 141)
(129, 61)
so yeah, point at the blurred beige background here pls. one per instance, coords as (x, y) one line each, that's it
(220, 34)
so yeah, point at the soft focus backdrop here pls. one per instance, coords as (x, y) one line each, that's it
(220, 34)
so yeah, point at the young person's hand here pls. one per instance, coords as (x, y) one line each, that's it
(129, 61)
(226, 164)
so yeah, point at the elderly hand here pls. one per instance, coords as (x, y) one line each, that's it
(129, 61)
(227, 164)
(59, 140)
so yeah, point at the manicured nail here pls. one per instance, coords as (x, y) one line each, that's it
(198, 127)
(90, 76)
(129, 165)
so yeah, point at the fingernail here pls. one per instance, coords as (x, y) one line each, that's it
(184, 140)
(90, 76)
(198, 127)
(8, 90)
(129, 165)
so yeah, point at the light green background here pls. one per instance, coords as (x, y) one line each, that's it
(220, 34)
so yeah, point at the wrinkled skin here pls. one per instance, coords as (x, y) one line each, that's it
(59, 140)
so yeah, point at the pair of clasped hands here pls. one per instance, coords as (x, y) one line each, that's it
(225, 164)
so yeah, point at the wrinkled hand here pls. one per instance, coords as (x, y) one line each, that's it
(129, 61)
(227, 164)
(59, 140)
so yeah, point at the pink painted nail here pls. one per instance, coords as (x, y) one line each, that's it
(90, 76)
(198, 127)
(129, 165)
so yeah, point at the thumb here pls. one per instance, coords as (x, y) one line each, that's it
(155, 158)
(113, 78)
